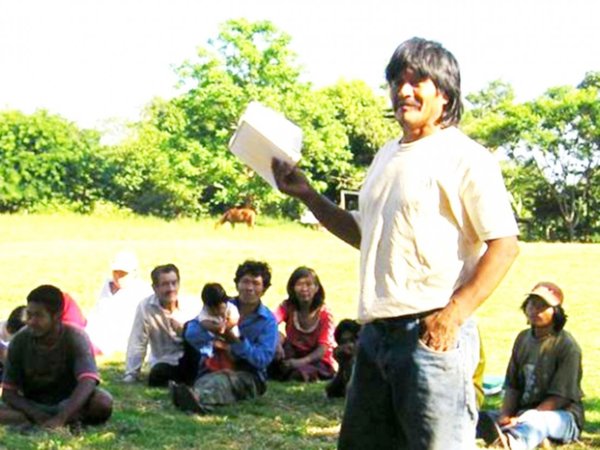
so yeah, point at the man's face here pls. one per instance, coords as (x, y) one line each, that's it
(39, 320)
(539, 313)
(167, 288)
(418, 105)
(250, 289)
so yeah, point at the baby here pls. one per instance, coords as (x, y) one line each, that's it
(218, 314)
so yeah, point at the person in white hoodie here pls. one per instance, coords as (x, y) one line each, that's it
(110, 321)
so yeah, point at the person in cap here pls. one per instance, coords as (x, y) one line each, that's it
(111, 318)
(543, 380)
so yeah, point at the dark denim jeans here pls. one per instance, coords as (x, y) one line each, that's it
(404, 395)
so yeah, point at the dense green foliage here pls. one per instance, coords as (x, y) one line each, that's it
(46, 160)
(553, 147)
(185, 139)
(175, 161)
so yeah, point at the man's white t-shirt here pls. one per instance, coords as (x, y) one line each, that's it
(426, 209)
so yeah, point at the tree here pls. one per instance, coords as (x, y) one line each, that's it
(250, 61)
(46, 159)
(558, 134)
(364, 117)
(489, 120)
(564, 141)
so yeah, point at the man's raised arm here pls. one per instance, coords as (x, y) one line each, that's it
(290, 180)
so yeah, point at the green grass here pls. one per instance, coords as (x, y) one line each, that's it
(74, 253)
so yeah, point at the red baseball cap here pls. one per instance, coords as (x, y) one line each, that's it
(549, 292)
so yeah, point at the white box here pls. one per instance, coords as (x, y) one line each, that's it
(264, 134)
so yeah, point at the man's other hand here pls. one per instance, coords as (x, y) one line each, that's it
(439, 331)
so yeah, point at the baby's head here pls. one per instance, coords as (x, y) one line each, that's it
(215, 299)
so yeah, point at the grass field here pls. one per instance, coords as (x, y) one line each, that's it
(74, 253)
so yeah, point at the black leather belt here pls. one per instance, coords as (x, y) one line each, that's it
(406, 318)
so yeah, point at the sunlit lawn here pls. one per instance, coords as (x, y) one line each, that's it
(74, 253)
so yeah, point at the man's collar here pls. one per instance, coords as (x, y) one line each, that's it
(154, 301)
(261, 309)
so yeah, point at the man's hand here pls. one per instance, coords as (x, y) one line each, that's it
(290, 180)
(221, 345)
(176, 325)
(439, 330)
(292, 363)
(38, 416)
(230, 336)
(230, 322)
(507, 421)
(279, 352)
(54, 422)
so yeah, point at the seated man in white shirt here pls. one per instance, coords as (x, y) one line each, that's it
(159, 322)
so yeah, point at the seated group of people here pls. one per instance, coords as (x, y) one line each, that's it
(219, 356)
(227, 352)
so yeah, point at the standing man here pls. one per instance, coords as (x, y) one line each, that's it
(51, 379)
(158, 321)
(436, 235)
(251, 351)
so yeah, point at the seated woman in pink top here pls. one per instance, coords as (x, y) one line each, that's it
(72, 315)
(305, 353)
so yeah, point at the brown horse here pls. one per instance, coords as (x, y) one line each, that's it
(238, 215)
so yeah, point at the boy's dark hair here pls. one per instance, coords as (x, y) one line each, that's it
(165, 268)
(255, 269)
(49, 296)
(16, 319)
(213, 295)
(430, 60)
(304, 272)
(346, 325)
(559, 319)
